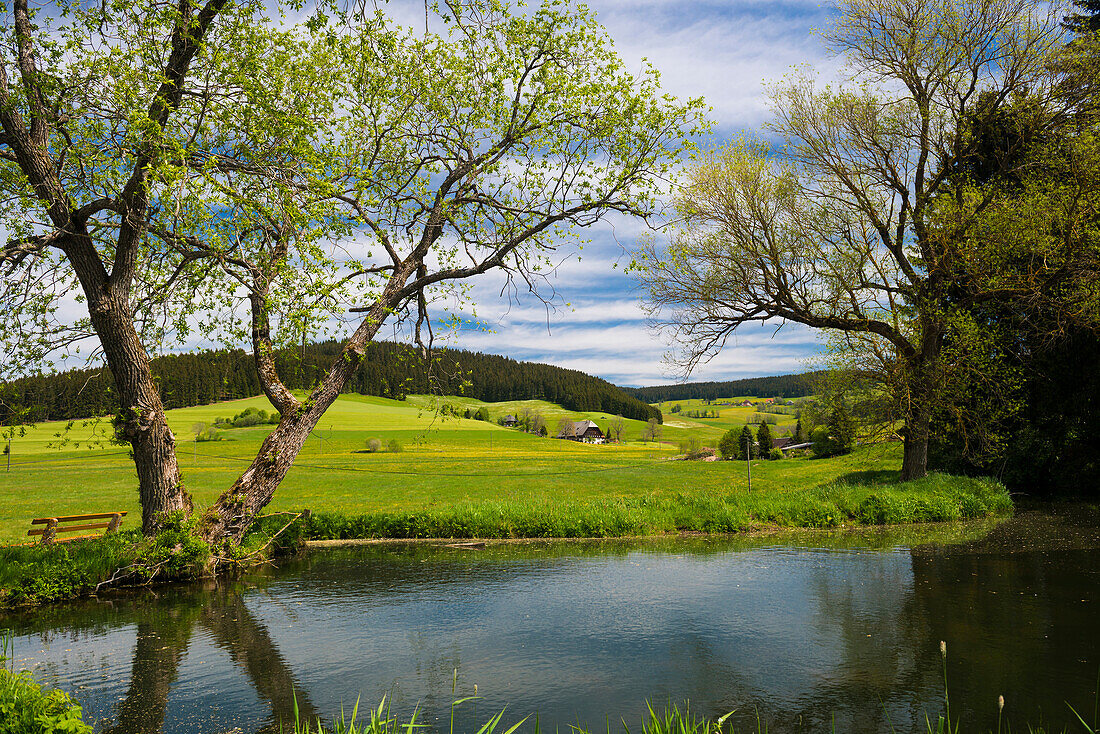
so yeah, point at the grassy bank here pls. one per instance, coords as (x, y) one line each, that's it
(36, 574)
(935, 498)
(444, 467)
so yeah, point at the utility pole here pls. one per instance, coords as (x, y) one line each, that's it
(9, 453)
(748, 459)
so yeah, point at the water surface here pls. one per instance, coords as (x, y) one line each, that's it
(800, 630)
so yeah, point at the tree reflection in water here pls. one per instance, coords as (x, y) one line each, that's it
(809, 633)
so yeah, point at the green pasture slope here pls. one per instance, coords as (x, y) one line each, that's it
(445, 463)
(729, 416)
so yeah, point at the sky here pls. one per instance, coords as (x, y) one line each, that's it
(724, 52)
(594, 321)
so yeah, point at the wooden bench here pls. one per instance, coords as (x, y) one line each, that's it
(53, 526)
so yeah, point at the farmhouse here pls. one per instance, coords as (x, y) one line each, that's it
(786, 443)
(585, 431)
(509, 421)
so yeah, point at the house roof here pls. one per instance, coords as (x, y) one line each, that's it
(579, 429)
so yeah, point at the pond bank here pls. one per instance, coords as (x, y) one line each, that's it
(35, 574)
(935, 498)
(795, 627)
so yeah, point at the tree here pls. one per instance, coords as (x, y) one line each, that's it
(764, 440)
(823, 443)
(842, 429)
(174, 160)
(1023, 404)
(615, 429)
(652, 430)
(727, 445)
(1086, 22)
(566, 428)
(839, 229)
(746, 443)
(537, 424)
(798, 436)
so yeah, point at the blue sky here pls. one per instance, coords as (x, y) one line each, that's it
(724, 52)
(721, 51)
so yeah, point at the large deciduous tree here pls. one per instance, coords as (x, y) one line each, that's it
(841, 226)
(306, 171)
(94, 101)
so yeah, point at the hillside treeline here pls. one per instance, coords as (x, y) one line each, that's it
(783, 386)
(389, 370)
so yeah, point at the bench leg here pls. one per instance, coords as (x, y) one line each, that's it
(116, 520)
(49, 532)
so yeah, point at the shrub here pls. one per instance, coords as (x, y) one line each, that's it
(775, 454)
(26, 708)
(374, 445)
(393, 446)
(727, 445)
(482, 414)
(204, 432)
(249, 417)
(823, 442)
(173, 553)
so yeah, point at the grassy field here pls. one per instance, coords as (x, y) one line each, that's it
(444, 462)
(730, 415)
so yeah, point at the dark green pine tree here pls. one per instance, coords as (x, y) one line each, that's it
(1084, 22)
(764, 440)
(746, 442)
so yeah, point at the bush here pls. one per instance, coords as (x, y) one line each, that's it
(374, 445)
(249, 417)
(824, 445)
(727, 445)
(26, 708)
(204, 432)
(393, 446)
(775, 454)
(174, 553)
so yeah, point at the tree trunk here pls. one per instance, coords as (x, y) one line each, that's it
(232, 514)
(140, 420)
(924, 376)
(914, 463)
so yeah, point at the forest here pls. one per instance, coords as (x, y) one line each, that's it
(389, 369)
(784, 386)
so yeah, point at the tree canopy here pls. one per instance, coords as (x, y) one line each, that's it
(855, 224)
(201, 166)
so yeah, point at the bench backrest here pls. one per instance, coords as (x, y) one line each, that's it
(53, 524)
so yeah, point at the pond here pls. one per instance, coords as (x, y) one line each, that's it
(799, 630)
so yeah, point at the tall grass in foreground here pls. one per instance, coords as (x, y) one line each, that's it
(668, 720)
(27, 708)
(935, 498)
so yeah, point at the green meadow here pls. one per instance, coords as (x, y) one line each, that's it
(444, 463)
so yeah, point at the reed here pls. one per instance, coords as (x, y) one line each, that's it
(936, 498)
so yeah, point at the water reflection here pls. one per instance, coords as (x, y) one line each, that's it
(808, 632)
